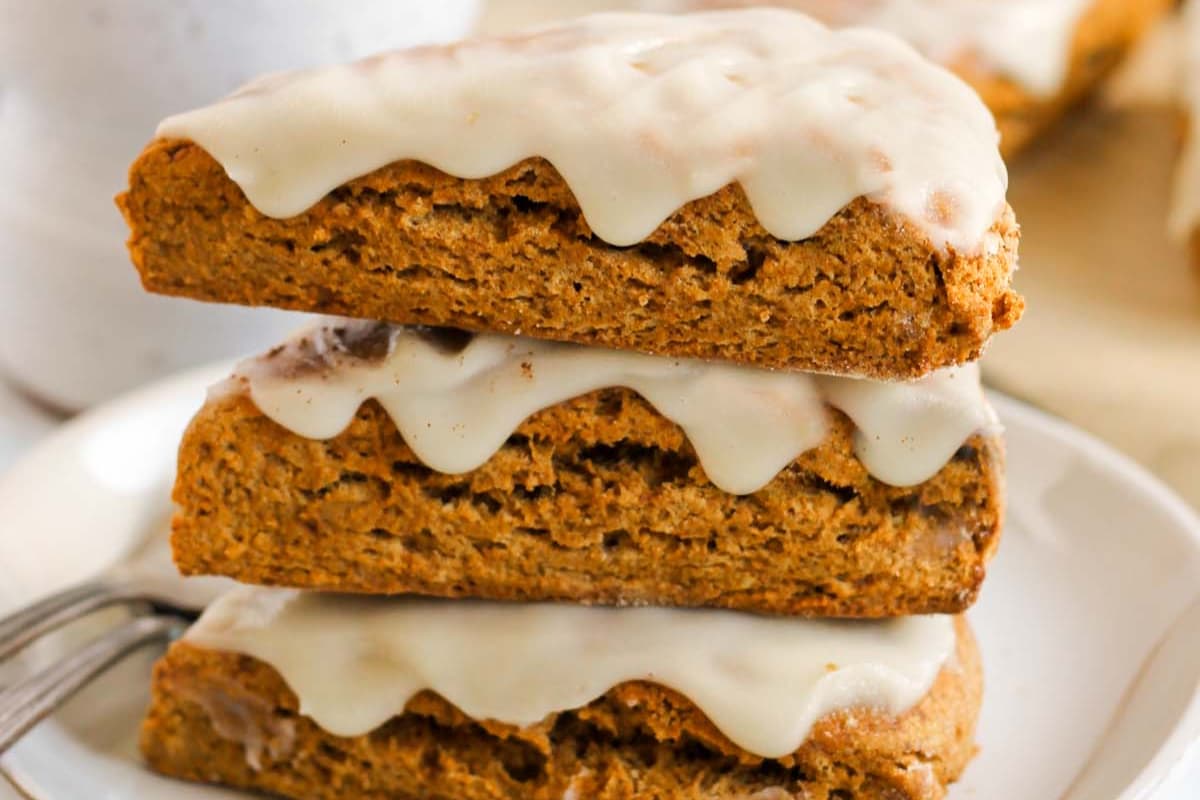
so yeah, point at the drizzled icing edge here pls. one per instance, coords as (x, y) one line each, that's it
(640, 114)
(355, 662)
(456, 406)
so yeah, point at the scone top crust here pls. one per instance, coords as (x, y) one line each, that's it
(640, 114)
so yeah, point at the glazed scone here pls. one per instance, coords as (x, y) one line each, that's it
(596, 496)
(1105, 32)
(1030, 60)
(850, 219)
(226, 718)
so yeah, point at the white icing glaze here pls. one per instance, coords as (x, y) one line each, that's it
(910, 430)
(641, 114)
(1027, 41)
(1185, 201)
(455, 409)
(354, 662)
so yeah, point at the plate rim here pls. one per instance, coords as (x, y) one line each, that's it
(1181, 747)
(1178, 750)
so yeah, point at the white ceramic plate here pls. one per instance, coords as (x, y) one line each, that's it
(1089, 622)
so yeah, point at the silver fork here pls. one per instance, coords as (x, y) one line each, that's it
(162, 604)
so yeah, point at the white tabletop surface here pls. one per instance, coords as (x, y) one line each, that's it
(21, 424)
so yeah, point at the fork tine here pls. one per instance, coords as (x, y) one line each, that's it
(18, 630)
(24, 704)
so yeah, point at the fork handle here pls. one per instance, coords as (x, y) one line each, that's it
(25, 704)
(19, 629)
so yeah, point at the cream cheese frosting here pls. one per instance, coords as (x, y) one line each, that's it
(355, 662)
(1027, 41)
(640, 113)
(457, 397)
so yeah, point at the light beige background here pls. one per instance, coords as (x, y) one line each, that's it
(1111, 338)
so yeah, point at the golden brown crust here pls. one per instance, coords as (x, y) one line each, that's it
(867, 294)
(638, 740)
(599, 500)
(1105, 33)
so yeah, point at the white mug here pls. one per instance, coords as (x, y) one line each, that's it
(82, 85)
